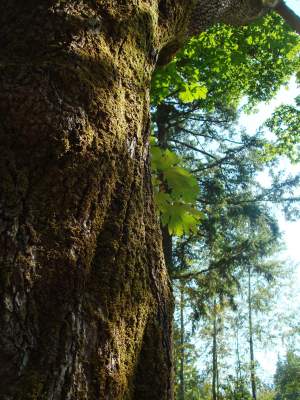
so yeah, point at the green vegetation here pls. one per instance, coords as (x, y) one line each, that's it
(218, 222)
(287, 377)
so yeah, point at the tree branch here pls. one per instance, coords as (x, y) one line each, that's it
(189, 146)
(290, 17)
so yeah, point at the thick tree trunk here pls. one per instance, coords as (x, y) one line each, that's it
(85, 300)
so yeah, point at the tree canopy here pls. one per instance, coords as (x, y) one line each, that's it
(220, 224)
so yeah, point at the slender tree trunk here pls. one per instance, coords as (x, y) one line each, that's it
(85, 300)
(162, 136)
(251, 344)
(215, 356)
(238, 385)
(182, 352)
(237, 351)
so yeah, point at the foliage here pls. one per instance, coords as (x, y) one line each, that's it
(205, 82)
(175, 191)
(267, 394)
(287, 377)
(236, 388)
(205, 178)
(285, 125)
(226, 63)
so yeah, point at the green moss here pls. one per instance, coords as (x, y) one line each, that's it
(107, 80)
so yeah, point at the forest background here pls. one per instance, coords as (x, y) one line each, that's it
(225, 154)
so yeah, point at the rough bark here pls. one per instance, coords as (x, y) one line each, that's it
(85, 300)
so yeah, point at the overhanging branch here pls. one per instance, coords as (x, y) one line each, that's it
(290, 17)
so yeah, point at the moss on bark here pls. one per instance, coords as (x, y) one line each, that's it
(86, 304)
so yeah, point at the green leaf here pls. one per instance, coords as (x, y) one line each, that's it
(175, 192)
(192, 92)
(183, 185)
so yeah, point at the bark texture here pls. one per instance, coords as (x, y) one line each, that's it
(85, 299)
(85, 306)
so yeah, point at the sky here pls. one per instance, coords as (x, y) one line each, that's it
(291, 230)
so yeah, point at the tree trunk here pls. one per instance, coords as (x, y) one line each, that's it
(215, 355)
(182, 342)
(163, 143)
(85, 299)
(237, 352)
(251, 344)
